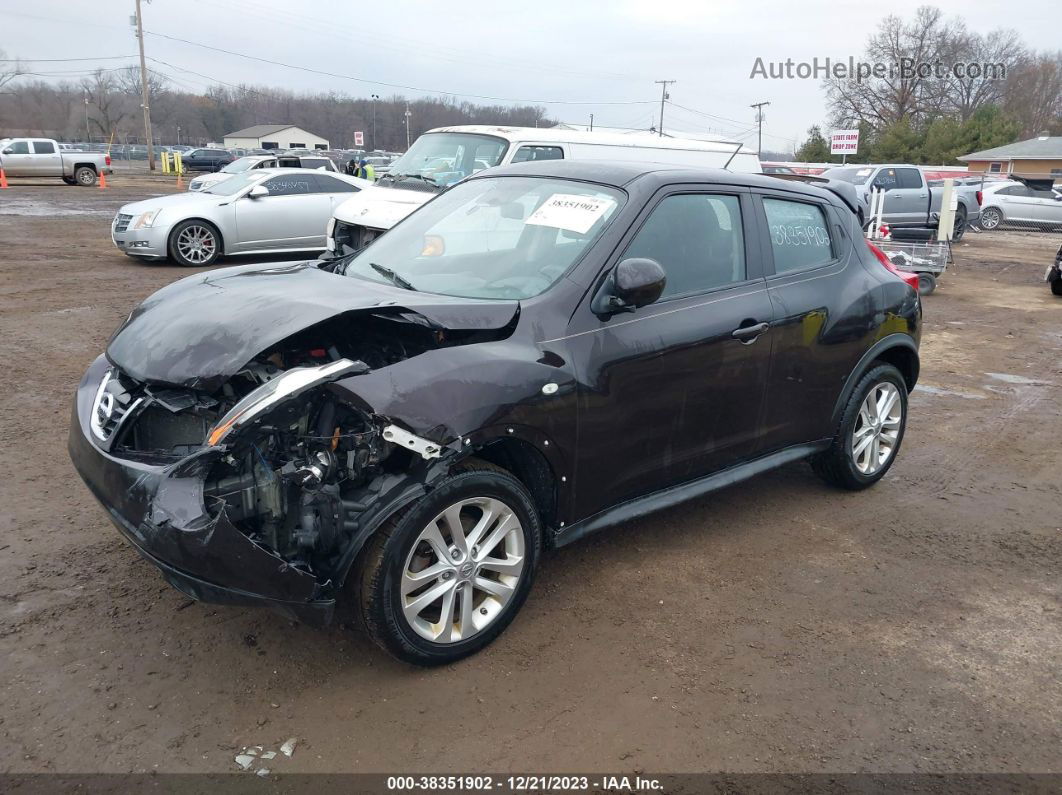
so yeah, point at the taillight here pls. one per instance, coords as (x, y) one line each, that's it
(980, 196)
(106, 160)
(910, 278)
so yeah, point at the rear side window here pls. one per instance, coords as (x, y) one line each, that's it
(697, 238)
(333, 185)
(532, 153)
(43, 148)
(800, 236)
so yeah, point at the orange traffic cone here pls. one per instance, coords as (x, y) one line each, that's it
(180, 182)
(103, 181)
(3, 179)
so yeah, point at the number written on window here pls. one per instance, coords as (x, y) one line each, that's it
(800, 237)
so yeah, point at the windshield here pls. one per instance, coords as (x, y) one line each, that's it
(446, 158)
(857, 176)
(240, 165)
(233, 185)
(507, 237)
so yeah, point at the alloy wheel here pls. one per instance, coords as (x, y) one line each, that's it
(462, 570)
(196, 244)
(877, 428)
(990, 219)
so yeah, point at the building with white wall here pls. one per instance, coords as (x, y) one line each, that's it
(275, 136)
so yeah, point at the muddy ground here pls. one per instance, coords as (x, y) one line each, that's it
(778, 625)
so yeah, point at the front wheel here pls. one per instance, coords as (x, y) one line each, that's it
(444, 578)
(870, 431)
(195, 244)
(958, 229)
(1056, 287)
(927, 283)
(991, 218)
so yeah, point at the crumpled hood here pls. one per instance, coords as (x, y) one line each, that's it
(200, 331)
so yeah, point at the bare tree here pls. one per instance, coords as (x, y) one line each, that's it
(9, 71)
(898, 93)
(111, 104)
(978, 68)
(1034, 94)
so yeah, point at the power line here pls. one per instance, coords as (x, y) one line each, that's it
(395, 85)
(63, 60)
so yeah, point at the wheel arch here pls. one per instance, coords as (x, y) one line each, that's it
(86, 165)
(899, 350)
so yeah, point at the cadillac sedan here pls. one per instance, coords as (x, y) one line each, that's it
(257, 212)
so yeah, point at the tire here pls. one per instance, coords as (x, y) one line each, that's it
(1056, 287)
(927, 283)
(991, 218)
(959, 227)
(838, 465)
(85, 176)
(386, 596)
(195, 244)
(69, 180)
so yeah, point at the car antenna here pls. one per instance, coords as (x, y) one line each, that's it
(732, 156)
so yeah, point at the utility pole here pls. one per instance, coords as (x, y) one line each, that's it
(759, 124)
(374, 98)
(663, 97)
(144, 89)
(407, 115)
(88, 135)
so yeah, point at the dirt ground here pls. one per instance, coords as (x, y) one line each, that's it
(778, 625)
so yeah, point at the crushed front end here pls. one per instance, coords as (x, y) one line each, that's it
(252, 493)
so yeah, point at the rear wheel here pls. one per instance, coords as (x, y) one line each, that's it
(443, 578)
(927, 283)
(195, 244)
(870, 432)
(991, 218)
(959, 227)
(85, 176)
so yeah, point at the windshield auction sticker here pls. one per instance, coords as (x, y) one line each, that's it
(570, 212)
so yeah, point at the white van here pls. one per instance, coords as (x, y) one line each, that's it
(446, 155)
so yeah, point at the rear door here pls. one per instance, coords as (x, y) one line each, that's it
(293, 215)
(47, 162)
(668, 393)
(824, 303)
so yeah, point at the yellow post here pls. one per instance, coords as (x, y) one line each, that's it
(178, 164)
(165, 162)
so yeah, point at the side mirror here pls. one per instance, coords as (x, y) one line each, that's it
(258, 191)
(634, 283)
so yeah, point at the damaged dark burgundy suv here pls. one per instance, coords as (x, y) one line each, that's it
(539, 352)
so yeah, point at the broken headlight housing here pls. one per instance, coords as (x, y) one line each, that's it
(275, 391)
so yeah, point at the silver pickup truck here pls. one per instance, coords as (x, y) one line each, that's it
(42, 157)
(909, 202)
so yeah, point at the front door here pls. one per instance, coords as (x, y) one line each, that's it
(668, 393)
(293, 215)
(16, 159)
(906, 195)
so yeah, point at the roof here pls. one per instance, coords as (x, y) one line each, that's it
(554, 134)
(620, 174)
(259, 130)
(1045, 148)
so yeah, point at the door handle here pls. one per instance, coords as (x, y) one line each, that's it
(749, 333)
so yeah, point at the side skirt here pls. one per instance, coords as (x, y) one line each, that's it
(665, 498)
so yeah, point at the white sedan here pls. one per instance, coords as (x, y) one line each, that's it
(1016, 204)
(257, 212)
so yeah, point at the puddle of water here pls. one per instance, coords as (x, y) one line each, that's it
(1017, 379)
(936, 390)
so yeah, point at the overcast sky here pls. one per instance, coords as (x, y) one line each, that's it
(550, 52)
